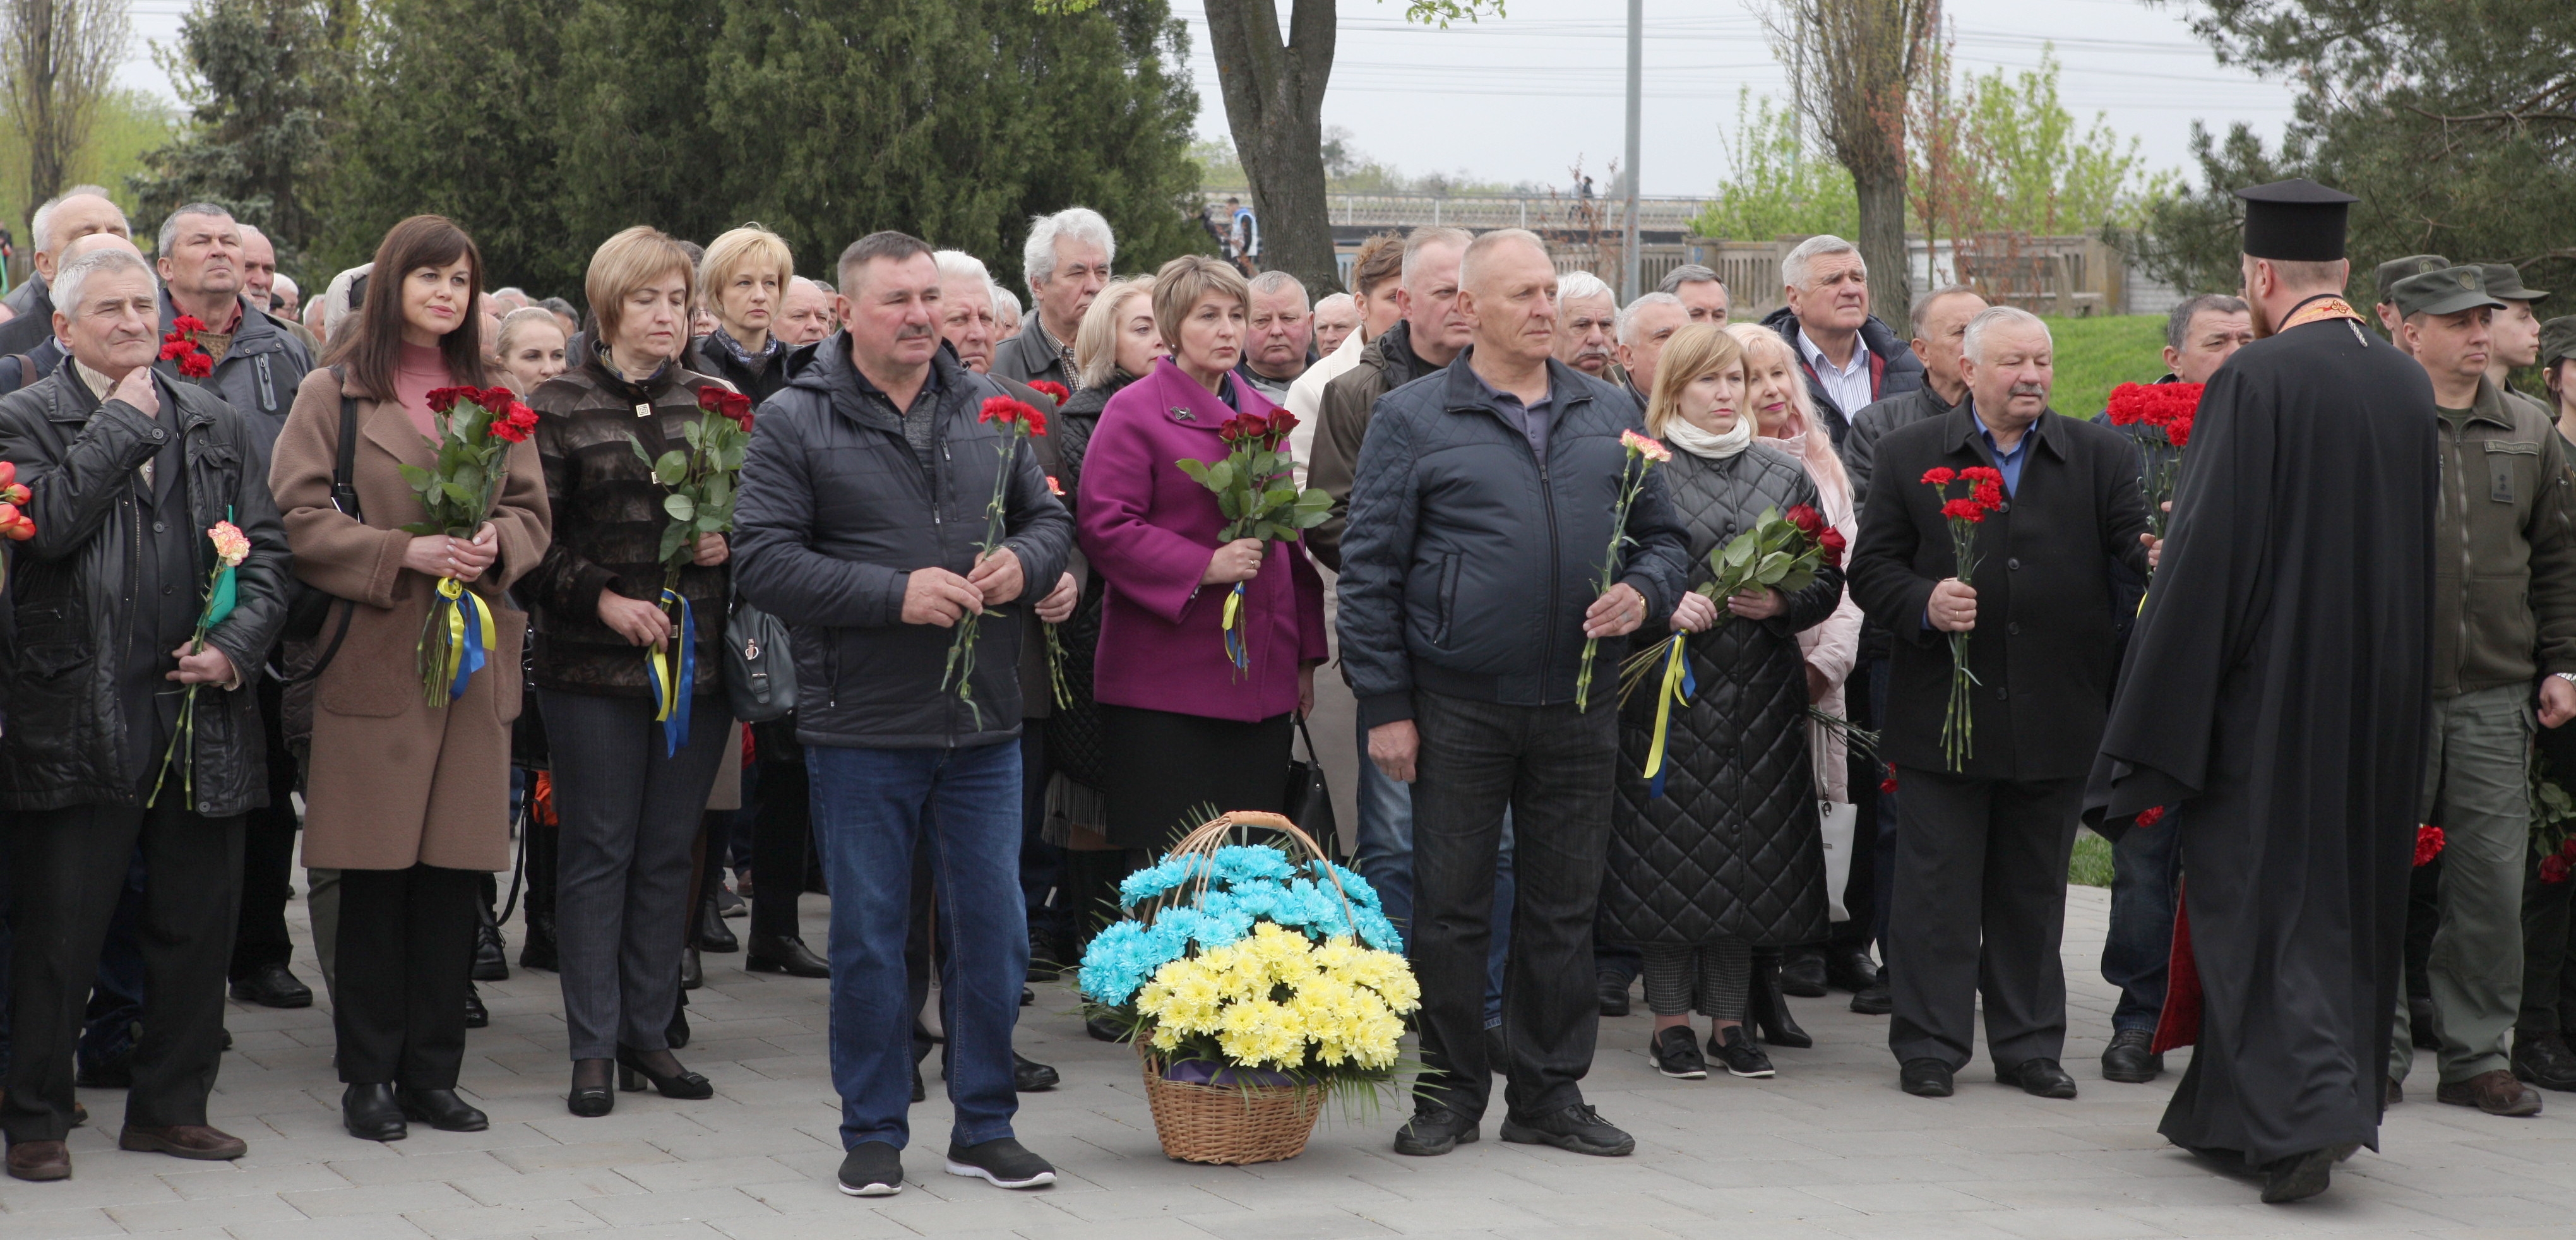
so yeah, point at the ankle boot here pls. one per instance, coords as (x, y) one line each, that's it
(537, 947)
(1768, 1010)
(491, 954)
(713, 935)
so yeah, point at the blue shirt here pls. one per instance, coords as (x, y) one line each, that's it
(2008, 463)
(1533, 421)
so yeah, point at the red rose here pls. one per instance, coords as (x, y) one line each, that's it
(2566, 847)
(2553, 868)
(196, 365)
(1056, 392)
(728, 404)
(443, 399)
(1282, 422)
(1831, 540)
(1240, 427)
(2428, 843)
(1004, 409)
(2151, 815)
(1887, 782)
(1805, 519)
(1938, 476)
(187, 323)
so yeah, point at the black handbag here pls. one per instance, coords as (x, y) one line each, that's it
(1309, 802)
(759, 670)
(311, 607)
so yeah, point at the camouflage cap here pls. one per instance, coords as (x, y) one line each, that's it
(2557, 339)
(2503, 280)
(2396, 269)
(2447, 291)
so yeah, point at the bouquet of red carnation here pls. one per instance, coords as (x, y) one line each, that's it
(2428, 844)
(1019, 420)
(2166, 411)
(701, 482)
(1964, 513)
(1256, 490)
(179, 344)
(476, 428)
(1052, 390)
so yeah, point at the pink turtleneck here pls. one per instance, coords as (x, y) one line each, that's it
(422, 370)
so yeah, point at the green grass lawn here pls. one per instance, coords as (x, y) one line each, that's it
(2097, 354)
(2091, 865)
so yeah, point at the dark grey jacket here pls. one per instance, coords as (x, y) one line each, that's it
(71, 588)
(1027, 358)
(1893, 369)
(33, 303)
(1873, 422)
(836, 512)
(1469, 562)
(259, 373)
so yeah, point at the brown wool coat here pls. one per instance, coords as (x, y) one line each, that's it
(391, 782)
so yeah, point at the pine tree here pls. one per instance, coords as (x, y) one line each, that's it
(260, 79)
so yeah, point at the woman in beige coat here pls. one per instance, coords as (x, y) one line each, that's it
(409, 802)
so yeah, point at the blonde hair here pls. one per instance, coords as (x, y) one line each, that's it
(518, 320)
(627, 262)
(1764, 347)
(1696, 350)
(749, 246)
(1095, 341)
(1183, 282)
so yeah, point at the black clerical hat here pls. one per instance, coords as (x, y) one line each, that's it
(2296, 221)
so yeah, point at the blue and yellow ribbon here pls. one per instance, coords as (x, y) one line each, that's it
(1232, 627)
(1679, 684)
(673, 672)
(470, 636)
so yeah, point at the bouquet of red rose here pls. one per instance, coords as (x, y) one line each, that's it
(476, 428)
(179, 344)
(701, 482)
(2166, 411)
(1964, 513)
(1257, 492)
(1019, 420)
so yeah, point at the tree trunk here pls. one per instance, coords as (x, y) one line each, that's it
(1882, 246)
(1274, 105)
(47, 159)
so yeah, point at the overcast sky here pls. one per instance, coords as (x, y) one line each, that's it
(1522, 97)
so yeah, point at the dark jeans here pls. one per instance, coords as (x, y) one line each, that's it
(268, 851)
(779, 836)
(630, 818)
(873, 808)
(1042, 879)
(405, 939)
(2146, 870)
(69, 868)
(1980, 914)
(1549, 767)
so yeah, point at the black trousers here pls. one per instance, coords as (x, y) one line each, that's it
(782, 831)
(406, 943)
(1551, 767)
(268, 851)
(1980, 911)
(2548, 984)
(68, 867)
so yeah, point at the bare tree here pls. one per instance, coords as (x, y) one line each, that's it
(57, 58)
(1851, 64)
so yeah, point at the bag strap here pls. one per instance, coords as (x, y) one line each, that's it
(344, 496)
(26, 370)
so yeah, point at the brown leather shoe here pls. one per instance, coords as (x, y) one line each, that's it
(2495, 1092)
(183, 1141)
(40, 1160)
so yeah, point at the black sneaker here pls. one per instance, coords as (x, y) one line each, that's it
(1733, 1047)
(1433, 1131)
(872, 1169)
(1003, 1161)
(1676, 1054)
(1578, 1128)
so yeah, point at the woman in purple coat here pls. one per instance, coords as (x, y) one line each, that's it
(1184, 729)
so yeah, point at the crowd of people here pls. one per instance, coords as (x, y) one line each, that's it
(1025, 662)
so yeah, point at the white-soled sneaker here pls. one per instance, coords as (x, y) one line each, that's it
(872, 1169)
(1003, 1161)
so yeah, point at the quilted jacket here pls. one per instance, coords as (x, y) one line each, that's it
(1733, 849)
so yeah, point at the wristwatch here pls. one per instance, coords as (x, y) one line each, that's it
(2569, 677)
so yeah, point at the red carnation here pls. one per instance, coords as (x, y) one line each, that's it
(2179, 432)
(2428, 843)
(196, 365)
(1005, 409)
(1805, 519)
(1981, 473)
(1054, 391)
(2128, 404)
(1963, 510)
(1988, 495)
(516, 425)
(1938, 476)
(177, 348)
(187, 323)
(2151, 815)
(1887, 782)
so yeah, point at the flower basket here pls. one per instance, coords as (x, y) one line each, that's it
(1261, 979)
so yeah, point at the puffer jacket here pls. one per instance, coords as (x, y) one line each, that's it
(66, 724)
(1471, 562)
(835, 514)
(1075, 743)
(1733, 849)
(2504, 549)
(1893, 369)
(258, 375)
(1388, 363)
(709, 356)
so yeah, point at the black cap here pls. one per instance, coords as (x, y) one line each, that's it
(2295, 221)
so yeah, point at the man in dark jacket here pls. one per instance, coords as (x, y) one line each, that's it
(861, 514)
(79, 212)
(128, 471)
(1988, 831)
(1849, 356)
(1481, 510)
(1066, 262)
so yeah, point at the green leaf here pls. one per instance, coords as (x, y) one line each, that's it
(673, 467)
(640, 453)
(1222, 475)
(672, 537)
(462, 498)
(1198, 471)
(417, 477)
(681, 507)
(692, 431)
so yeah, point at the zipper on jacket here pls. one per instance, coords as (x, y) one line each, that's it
(2459, 469)
(267, 386)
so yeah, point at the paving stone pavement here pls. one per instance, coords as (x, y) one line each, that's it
(1828, 1149)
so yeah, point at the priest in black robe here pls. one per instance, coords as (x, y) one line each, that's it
(2275, 704)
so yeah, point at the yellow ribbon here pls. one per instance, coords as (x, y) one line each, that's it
(1676, 689)
(463, 657)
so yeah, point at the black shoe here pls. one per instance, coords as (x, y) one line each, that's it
(676, 1034)
(1028, 997)
(477, 1016)
(370, 1113)
(1434, 1131)
(713, 935)
(591, 1101)
(872, 1169)
(920, 1093)
(1850, 969)
(1878, 1000)
(632, 1073)
(1733, 1047)
(2424, 1024)
(784, 953)
(1106, 1028)
(2299, 1176)
(270, 985)
(1924, 1078)
(1047, 957)
(2127, 1059)
(1614, 993)
(491, 954)
(1768, 1012)
(2544, 1060)
(2040, 1078)
(1578, 1128)
(1675, 1052)
(105, 1071)
(693, 972)
(1802, 972)
(537, 950)
(1028, 1076)
(1003, 1162)
(729, 904)
(441, 1109)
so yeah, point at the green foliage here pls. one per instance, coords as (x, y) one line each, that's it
(2099, 353)
(128, 124)
(701, 480)
(2090, 864)
(2036, 169)
(1780, 182)
(260, 78)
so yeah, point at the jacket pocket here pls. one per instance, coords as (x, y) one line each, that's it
(1447, 610)
(55, 680)
(2500, 632)
(2513, 470)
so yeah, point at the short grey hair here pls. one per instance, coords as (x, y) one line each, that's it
(1992, 317)
(1687, 273)
(960, 265)
(1037, 258)
(2178, 323)
(1275, 281)
(1006, 304)
(1334, 300)
(1421, 239)
(284, 284)
(1485, 245)
(44, 219)
(73, 278)
(1625, 325)
(1577, 285)
(1923, 302)
(1802, 257)
(170, 222)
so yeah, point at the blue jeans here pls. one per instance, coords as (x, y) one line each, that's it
(2145, 869)
(872, 807)
(1383, 854)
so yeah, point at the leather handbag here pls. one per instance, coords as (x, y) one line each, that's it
(759, 671)
(310, 607)
(1309, 801)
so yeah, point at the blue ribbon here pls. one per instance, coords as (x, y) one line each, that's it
(473, 659)
(1664, 719)
(1231, 624)
(674, 675)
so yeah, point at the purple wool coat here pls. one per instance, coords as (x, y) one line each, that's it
(1149, 530)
